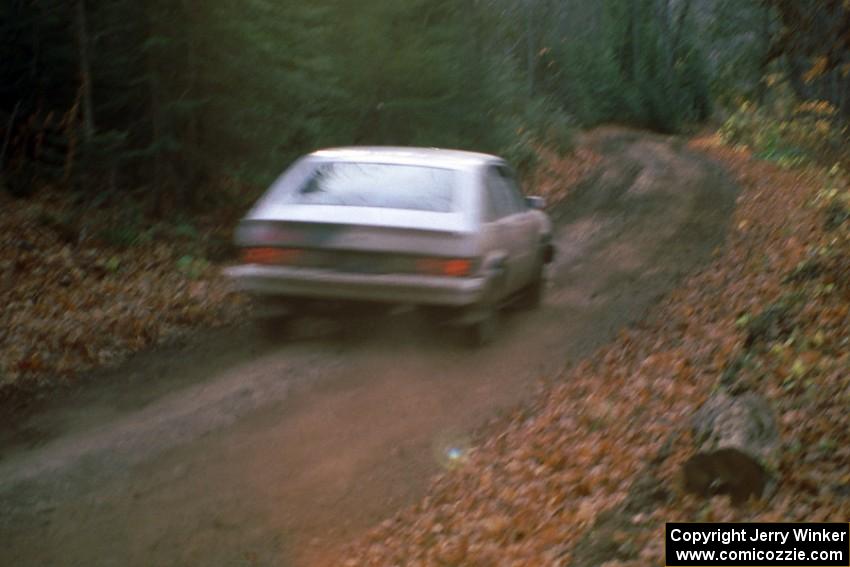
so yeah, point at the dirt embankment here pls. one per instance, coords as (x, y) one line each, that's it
(232, 451)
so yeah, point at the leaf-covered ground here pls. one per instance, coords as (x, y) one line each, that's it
(555, 177)
(529, 495)
(75, 298)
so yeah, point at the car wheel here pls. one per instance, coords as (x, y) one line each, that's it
(483, 330)
(272, 328)
(532, 295)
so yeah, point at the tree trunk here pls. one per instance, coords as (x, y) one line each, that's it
(797, 67)
(737, 442)
(81, 30)
(7, 136)
(156, 118)
(666, 36)
(564, 16)
(192, 140)
(633, 19)
(761, 87)
(529, 45)
(679, 31)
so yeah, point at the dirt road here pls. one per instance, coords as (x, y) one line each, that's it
(232, 451)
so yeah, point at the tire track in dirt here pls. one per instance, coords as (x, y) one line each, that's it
(233, 452)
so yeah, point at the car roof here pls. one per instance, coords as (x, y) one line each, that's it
(435, 157)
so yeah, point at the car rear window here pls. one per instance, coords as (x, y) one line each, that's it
(391, 186)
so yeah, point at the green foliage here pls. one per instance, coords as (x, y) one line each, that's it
(522, 129)
(738, 36)
(122, 236)
(631, 67)
(187, 96)
(185, 230)
(193, 267)
(272, 84)
(590, 85)
(549, 124)
(522, 152)
(290, 78)
(788, 132)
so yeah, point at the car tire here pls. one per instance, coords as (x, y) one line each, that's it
(532, 295)
(483, 330)
(272, 329)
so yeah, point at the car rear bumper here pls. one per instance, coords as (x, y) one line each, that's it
(387, 288)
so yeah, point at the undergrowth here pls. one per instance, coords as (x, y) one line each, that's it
(790, 133)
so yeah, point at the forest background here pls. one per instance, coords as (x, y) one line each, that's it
(166, 107)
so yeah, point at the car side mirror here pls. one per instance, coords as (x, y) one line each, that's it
(536, 203)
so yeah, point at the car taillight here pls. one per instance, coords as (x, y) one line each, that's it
(457, 268)
(271, 256)
(453, 267)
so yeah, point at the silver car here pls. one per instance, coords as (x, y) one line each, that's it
(441, 229)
